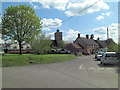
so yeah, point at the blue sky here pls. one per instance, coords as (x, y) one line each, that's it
(94, 20)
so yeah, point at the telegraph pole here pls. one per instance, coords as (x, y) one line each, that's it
(107, 33)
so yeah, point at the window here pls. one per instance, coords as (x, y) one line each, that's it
(111, 55)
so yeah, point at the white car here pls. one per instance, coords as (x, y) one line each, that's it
(109, 58)
(2, 53)
(99, 55)
(63, 51)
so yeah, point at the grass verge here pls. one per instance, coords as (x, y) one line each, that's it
(10, 60)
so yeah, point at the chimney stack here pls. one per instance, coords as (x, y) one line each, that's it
(57, 30)
(78, 35)
(87, 36)
(98, 38)
(92, 36)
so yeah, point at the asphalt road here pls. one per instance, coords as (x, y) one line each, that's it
(83, 72)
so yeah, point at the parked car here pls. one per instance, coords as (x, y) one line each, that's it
(63, 51)
(87, 53)
(53, 51)
(2, 53)
(99, 55)
(109, 58)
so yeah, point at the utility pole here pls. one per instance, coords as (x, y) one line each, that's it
(107, 33)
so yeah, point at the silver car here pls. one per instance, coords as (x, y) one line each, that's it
(99, 55)
(109, 58)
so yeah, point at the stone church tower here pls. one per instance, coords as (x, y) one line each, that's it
(58, 36)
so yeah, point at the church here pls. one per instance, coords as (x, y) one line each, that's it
(58, 37)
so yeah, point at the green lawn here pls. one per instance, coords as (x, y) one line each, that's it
(9, 60)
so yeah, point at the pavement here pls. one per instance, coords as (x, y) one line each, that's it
(84, 72)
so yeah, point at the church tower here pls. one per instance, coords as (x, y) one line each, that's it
(58, 36)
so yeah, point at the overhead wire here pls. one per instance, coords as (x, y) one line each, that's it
(76, 13)
(80, 11)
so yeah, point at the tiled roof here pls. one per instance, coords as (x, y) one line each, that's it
(102, 44)
(75, 45)
(89, 41)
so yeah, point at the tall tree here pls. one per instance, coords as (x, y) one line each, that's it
(61, 44)
(41, 44)
(119, 48)
(20, 23)
(113, 48)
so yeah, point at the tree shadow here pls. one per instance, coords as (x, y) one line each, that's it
(96, 59)
(117, 68)
(107, 65)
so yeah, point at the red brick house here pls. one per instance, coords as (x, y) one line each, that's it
(88, 45)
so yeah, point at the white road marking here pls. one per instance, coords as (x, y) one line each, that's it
(80, 66)
(101, 68)
(110, 68)
(91, 68)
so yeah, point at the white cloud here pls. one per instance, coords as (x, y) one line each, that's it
(71, 35)
(58, 4)
(51, 23)
(46, 29)
(101, 32)
(35, 6)
(52, 35)
(107, 13)
(100, 17)
(75, 8)
(103, 14)
(113, 28)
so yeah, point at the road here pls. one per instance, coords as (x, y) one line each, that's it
(84, 72)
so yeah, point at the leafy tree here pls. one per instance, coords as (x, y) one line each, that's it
(119, 51)
(41, 44)
(20, 23)
(61, 44)
(113, 48)
(119, 48)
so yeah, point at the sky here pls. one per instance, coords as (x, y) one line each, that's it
(75, 16)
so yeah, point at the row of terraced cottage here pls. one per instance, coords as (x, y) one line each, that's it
(82, 45)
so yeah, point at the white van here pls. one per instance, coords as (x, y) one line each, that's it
(109, 58)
